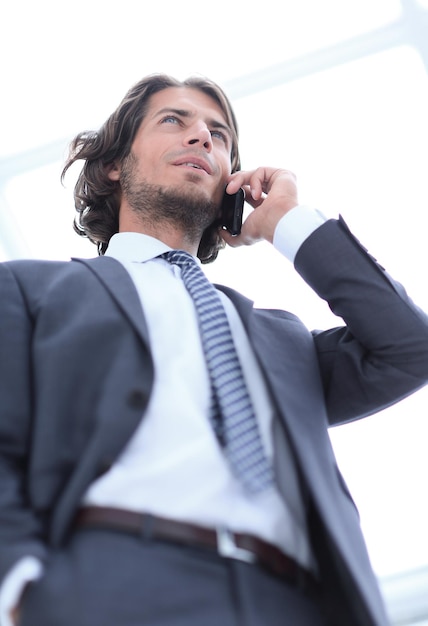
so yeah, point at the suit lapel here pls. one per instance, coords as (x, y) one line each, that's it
(243, 305)
(118, 283)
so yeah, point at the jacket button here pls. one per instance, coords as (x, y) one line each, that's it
(136, 399)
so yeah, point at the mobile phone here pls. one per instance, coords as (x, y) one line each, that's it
(231, 211)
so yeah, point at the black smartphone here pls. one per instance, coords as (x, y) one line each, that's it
(232, 210)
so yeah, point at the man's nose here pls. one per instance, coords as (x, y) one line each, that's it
(200, 135)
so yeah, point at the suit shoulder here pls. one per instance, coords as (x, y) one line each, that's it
(31, 271)
(18, 266)
(33, 278)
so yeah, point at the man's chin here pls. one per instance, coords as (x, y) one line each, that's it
(192, 190)
(188, 205)
(195, 195)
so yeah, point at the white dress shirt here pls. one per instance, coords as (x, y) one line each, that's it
(173, 465)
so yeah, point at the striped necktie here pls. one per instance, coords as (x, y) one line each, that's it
(231, 413)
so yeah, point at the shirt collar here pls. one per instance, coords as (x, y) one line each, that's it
(135, 247)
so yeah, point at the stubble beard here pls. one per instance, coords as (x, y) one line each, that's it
(184, 208)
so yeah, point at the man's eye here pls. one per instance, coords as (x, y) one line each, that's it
(170, 119)
(219, 135)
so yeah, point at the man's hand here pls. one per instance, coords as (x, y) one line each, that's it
(272, 193)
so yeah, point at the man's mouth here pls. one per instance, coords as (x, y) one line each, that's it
(195, 163)
(192, 165)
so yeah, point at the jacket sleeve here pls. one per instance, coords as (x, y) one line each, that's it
(381, 354)
(20, 530)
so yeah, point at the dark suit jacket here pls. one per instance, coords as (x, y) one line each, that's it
(76, 375)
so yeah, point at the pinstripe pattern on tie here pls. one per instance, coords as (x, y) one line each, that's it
(232, 414)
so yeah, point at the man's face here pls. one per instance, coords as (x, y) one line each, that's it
(184, 144)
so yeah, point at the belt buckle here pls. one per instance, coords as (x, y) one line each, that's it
(227, 547)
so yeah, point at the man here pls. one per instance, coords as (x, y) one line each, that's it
(130, 493)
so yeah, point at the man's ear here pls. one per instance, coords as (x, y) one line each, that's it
(113, 171)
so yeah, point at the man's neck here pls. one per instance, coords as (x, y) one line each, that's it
(164, 231)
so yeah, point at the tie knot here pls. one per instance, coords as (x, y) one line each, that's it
(179, 257)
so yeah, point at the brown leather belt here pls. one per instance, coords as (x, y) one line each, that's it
(231, 545)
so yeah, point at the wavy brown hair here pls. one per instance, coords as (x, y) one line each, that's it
(96, 197)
